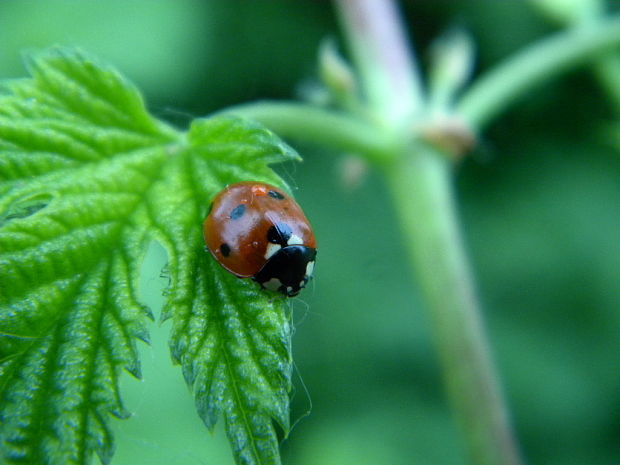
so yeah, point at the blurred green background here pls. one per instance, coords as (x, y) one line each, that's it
(540, 203)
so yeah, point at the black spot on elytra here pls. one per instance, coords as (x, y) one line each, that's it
(279, 234)
(237, 212)
(276, 195)
(225, 249)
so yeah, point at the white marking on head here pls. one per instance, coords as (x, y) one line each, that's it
(294, 240)
(271, 249)
(310, 268)
(302, 283)
(289, 289)
(273, 284)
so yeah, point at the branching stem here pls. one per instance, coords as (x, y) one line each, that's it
(497, 90)
(390, 78)
(421, 183)
(320, 126)
(420, 179)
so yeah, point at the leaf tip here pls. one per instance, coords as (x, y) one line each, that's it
(134, 368)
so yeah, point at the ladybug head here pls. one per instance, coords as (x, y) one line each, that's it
(288, 270)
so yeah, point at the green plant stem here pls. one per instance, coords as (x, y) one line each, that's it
(494, 92)
(377, 42)
(420, 181)
(590, 14)
(320, 126)
(421, 184)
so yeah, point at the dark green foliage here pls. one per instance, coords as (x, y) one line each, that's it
(88, 178)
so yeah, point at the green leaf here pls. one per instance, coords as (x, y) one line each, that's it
(87, 179)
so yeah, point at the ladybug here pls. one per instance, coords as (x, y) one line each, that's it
(256, 230)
